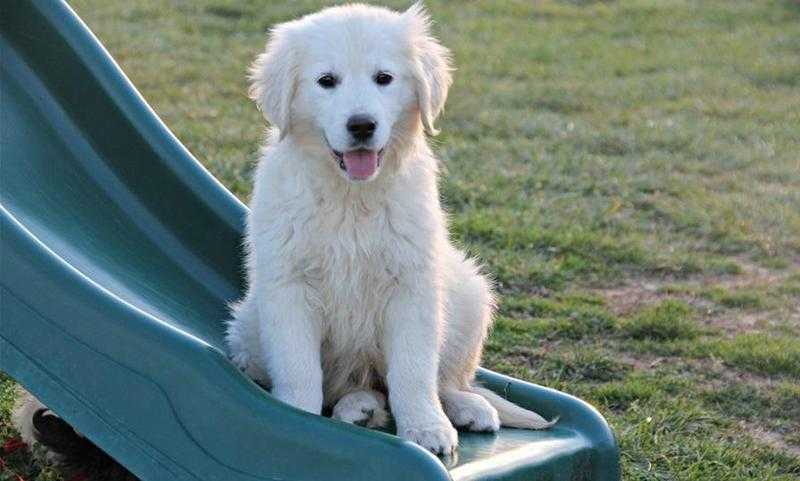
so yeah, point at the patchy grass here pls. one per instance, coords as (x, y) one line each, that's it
(628, 172)
(668, 320)
(775, 408)
(583, 365)
(740, 299)
(760, 353)
(567, 317)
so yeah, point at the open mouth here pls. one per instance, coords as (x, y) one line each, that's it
(359, 164)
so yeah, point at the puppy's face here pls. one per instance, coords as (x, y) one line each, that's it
(352, 82)
(354, 86)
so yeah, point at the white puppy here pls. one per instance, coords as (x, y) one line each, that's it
(354, 287)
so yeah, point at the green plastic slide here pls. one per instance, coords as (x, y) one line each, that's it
(119, 254)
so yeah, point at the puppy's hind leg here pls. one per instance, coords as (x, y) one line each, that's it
(469, 315)
(470, 305)
(364, 408)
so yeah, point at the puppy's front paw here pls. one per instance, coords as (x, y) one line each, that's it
(439, 438)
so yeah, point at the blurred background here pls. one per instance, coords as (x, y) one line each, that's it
(628, 171)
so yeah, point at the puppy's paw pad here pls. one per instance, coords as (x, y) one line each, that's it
(439, 439)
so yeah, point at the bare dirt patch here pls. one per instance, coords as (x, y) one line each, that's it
(771, 439)
(638, 293)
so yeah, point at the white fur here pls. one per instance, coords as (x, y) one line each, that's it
(367, 408)
(354, 286)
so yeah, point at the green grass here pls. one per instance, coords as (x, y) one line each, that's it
(759, 353)
(628, 171)
(742, 299)
(668, 320)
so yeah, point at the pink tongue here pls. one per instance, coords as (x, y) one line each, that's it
(361, 164)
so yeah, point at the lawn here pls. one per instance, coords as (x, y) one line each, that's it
(629, 172)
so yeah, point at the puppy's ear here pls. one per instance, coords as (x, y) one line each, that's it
(430, 65)
(274, 79)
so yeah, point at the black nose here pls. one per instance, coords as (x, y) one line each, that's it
(361, 127)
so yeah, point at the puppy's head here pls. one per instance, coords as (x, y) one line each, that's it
(353, 82)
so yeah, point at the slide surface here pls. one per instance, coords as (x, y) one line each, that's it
(119, 254)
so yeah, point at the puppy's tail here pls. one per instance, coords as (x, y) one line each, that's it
(510, 414)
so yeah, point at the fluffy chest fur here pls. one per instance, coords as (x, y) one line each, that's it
(350, 246)
(351, 259)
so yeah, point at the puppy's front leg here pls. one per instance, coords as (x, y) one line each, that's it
(290, 339)
(411, 341)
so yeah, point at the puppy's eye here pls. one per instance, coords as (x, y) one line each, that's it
(327, 81)
(383, 78)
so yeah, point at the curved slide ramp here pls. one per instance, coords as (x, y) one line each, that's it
(119, 254)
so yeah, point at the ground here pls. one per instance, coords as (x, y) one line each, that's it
(629, 172)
